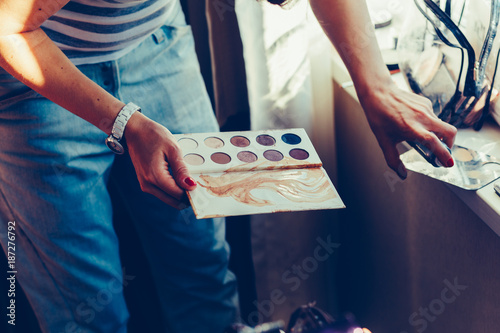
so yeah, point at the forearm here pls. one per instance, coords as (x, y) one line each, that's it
(35, 60)
(394, 115)
(347, 23)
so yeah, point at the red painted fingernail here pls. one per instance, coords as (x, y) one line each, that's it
(190, 181)
(450, 163)
(401, 171)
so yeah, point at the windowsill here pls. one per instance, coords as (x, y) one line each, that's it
(484, 202)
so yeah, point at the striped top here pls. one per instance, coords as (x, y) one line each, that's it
(91, 31)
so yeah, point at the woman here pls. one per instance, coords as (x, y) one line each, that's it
(91, 57)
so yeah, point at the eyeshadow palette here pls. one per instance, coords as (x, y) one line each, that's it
(255, 172)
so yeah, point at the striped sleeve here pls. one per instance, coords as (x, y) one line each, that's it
(90, 31)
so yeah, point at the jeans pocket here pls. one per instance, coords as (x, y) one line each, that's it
(17, 96)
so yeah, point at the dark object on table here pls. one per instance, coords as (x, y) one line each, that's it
(275, 327)
(306, 319)
(310, 319)
(497, 188)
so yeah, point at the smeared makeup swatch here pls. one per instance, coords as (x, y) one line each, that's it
(295, 185)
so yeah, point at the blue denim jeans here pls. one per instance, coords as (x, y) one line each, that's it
(54, 168)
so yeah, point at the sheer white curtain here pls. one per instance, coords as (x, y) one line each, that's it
(275, 48)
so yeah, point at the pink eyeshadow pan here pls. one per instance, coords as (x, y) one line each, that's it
(273, 155)
(299, 154)
(247, 156)
(240, 141)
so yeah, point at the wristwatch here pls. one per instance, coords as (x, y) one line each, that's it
(113, 140)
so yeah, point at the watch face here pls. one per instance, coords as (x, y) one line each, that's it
(114, 145)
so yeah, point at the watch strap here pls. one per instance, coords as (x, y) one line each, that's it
(122, 118)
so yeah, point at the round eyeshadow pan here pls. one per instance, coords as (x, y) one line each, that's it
(299, 154)
(291, 139)
(462, 155)
(247, 156)
(220, 158)
(187, 144)
(491, 167)
(266, 140)
(477, 175)
(214, 142)
(194, 159)
(273, 155)
(240, 141)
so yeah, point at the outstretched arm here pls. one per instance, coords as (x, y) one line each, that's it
(394, 115)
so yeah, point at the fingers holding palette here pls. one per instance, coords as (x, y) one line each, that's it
(241, 173)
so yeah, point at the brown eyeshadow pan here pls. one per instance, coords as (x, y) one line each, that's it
(299, 154)
(266, 140)
(273, 155)
(240, 141)
(247, 156)
(220, 158)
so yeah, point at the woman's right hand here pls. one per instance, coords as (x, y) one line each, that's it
(27, 53)
(153, 150)
(397, 115)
